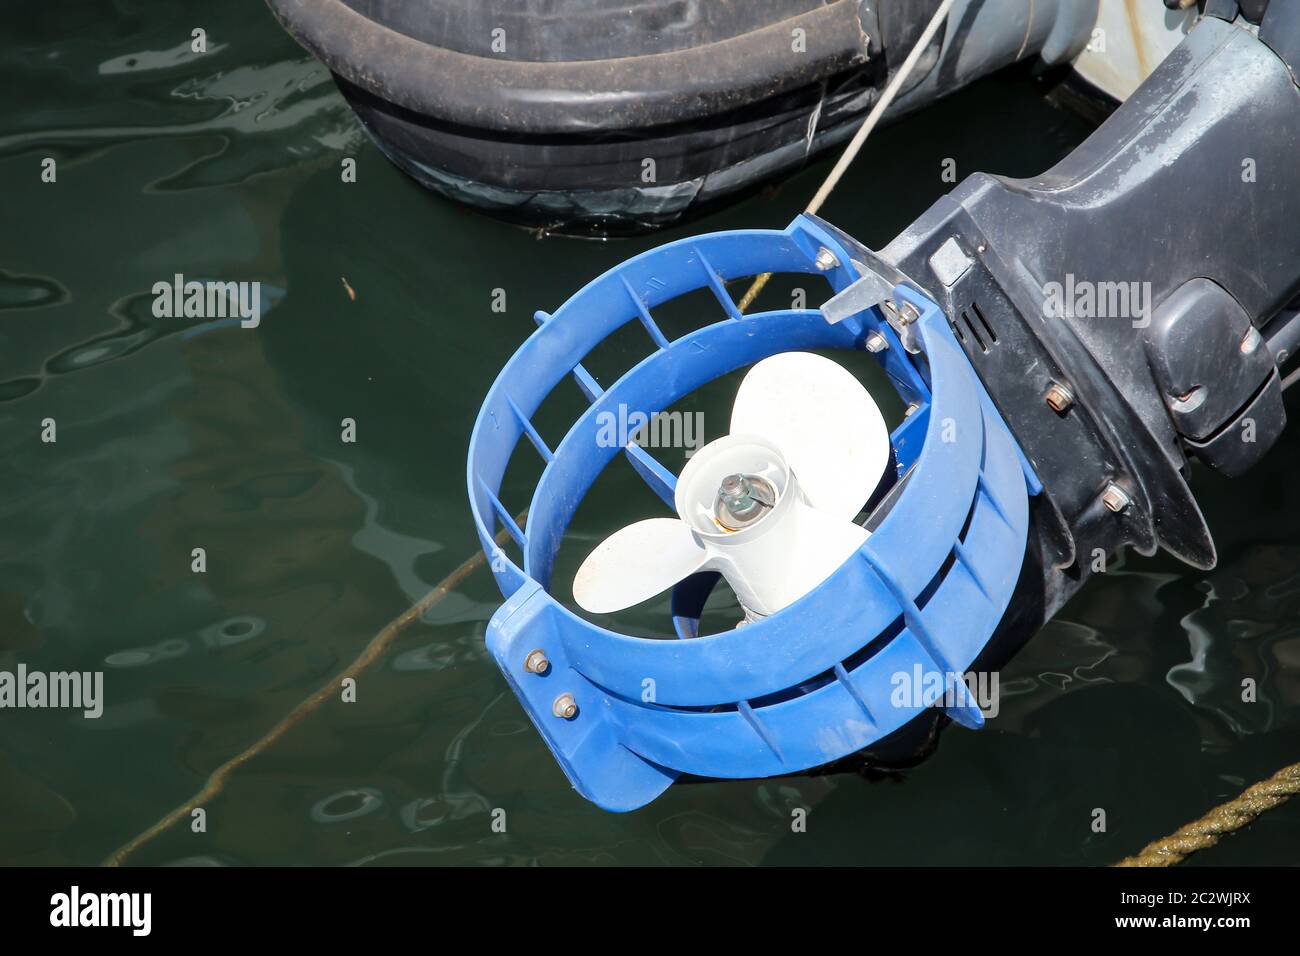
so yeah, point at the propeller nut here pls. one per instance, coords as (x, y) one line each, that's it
(743, 500)
(565, 707)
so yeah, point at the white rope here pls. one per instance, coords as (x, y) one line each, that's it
(886, 98)
(855, 144)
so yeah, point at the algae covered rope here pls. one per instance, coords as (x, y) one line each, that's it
(1208, 830)
(372, 652)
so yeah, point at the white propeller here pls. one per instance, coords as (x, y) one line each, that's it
(770, 506)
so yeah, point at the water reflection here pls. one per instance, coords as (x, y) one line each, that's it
(225, 633)
(1244, 643)
(347, 805)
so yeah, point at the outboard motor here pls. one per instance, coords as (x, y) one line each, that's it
(1065, 346)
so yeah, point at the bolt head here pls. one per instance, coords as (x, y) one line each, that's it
(826, 260)
(876, 342)
(1115, 498)
(907, 313)
(565, 707)
(536, 662)
(1059, 397)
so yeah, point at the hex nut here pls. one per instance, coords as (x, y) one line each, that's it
(826, 260)
(1059, 397)
(1115, 498)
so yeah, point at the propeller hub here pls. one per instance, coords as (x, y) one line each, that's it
(743, 500)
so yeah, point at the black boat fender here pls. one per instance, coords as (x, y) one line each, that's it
(590, 116)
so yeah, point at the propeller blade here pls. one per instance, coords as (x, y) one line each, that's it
(825, 423)
(636, 563)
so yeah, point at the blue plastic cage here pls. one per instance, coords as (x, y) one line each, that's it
(815, 681)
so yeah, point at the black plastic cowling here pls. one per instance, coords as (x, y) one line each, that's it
(1112, 306)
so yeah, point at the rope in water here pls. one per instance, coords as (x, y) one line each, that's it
(855, 145)
(1208, 830)
(372, 652)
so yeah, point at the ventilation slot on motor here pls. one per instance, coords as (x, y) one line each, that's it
(980, 329)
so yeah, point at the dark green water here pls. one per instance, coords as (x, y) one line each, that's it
(174, 435)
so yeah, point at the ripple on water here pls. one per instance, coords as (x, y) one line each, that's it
(347, 805)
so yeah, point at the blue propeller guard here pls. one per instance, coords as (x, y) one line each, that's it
(815, 681)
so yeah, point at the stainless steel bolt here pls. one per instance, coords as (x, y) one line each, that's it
(565, 707)
(907, 313)
(910, 410)
(825, 260)
(1059, 397)
(1115, 498)
(876, 342)
(536, 662)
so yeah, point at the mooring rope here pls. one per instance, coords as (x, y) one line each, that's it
(1208, 830)
(855, 145)
(372, 652)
